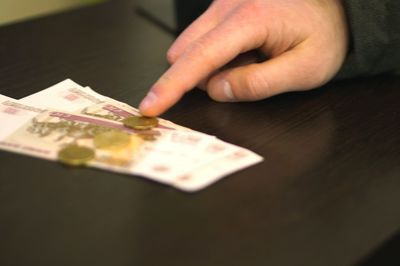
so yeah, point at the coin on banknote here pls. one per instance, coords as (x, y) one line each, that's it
(111, 140)
(140, 122)
(75, 155)
(148, 137)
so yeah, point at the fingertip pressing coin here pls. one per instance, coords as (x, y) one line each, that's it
(75, 155)
(140, 122)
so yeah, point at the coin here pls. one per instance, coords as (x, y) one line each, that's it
(136, 142)
(140, 122)
(75, 155)
(111, 140)
(148, 137)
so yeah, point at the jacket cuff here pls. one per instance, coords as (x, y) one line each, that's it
(369, 37)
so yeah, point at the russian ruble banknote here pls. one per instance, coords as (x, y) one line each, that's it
(68, 115)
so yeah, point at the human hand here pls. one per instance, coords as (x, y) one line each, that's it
(306, 42)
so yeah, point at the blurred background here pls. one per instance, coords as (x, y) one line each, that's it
(17, 10)
(171, 15)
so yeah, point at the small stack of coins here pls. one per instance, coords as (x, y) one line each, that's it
(140, 122)
(75, 155)
(111, 140)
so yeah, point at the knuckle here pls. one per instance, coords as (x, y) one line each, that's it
(197, 48)
(199, 51)
(254, 7)
(171, 56)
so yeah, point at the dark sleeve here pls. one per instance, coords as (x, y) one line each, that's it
(187, 11)
(375, 38)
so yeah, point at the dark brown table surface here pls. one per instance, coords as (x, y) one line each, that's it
(328, 192)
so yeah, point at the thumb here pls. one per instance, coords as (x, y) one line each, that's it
(293, 70)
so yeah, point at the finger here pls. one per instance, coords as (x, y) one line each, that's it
(241, 60)
(215, 14)
(291, 71)
(199, 60)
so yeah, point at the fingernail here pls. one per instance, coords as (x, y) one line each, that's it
(226, 87)
(148, 101)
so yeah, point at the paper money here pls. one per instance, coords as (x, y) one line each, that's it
(4, 98)
(14, 114)
(118, 111)
(67, 122)
(172, 155)
(212, 172)
(64, 96)
(71, 97)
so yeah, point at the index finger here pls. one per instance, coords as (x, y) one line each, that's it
(212, 51)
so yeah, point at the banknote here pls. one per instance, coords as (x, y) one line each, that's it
(4, 98)
(44, 123)
(118, 111)
(211, 172)
(171, 155)
(71, 97)
(13, 115)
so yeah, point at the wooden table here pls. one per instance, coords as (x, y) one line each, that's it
(328, 192)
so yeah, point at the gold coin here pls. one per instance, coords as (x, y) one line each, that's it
(75, 155)
(111, 140)
(149, 137)
(140, 122)
(136, 141)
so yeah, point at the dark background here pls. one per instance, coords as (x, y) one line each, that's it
(327, 193)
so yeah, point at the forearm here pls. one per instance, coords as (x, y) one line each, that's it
(375, 38)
